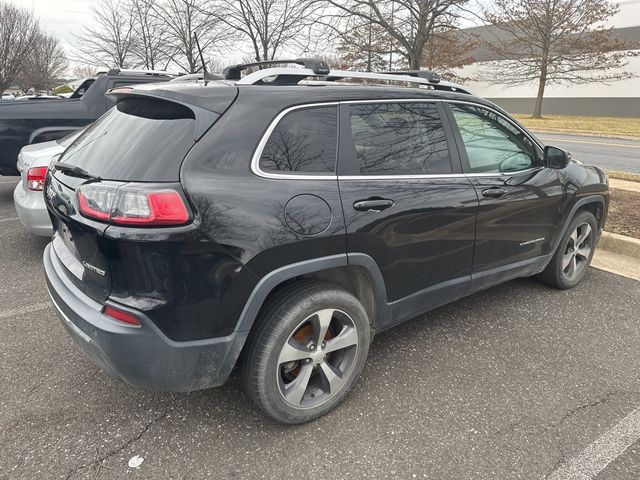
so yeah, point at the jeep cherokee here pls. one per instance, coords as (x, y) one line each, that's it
(278, 220)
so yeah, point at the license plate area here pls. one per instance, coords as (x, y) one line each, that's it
(66, 255)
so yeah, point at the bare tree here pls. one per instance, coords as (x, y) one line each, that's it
(44, 63)
(448, 52)
(18, 33)
(410, 24)
(216, 64)
(84, 71)
(364, 45)
(149, 39)
(270, 25)
(554, 41)
(111, 41)
(190, 30)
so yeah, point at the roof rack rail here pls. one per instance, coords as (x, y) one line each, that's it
(192, 77)
(319, 67)
(125, 71)
(292, 76)
(430, 75)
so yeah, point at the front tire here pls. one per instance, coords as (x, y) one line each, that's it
(574, 253)
(311, 344)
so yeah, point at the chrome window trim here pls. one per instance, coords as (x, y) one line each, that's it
(425, 176)
(255, 160)
(436, 175)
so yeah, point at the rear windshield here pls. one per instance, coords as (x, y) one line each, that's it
(139, 139)
(68, 139)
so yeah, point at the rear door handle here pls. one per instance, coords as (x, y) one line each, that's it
(494, 192)
(373, 204)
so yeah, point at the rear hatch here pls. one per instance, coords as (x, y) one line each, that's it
(122, 170)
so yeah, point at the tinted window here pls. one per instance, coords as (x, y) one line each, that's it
(138, 140)
(492, 143)
(399, 139)
(304, 141)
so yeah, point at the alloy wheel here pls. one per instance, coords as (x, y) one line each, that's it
(317, 358)
(577, 251)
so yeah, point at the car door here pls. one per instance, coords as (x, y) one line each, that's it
(406, 202)
(520, 200)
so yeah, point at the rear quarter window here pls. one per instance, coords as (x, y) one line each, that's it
(140, 139)
(304, 141)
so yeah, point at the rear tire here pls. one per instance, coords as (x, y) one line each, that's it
(307, 352)
(571, 260)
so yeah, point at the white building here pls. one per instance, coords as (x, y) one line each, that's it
(621, 98)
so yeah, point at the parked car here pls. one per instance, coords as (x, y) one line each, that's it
(33, 165)
(6, 97)
(41, 120)
(277, 224)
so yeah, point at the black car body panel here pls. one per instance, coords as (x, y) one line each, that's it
(26, 122)
(425, 240)
(144, 356)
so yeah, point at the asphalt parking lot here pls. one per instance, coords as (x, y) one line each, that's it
(514, 382)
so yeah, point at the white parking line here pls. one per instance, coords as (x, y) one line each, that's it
(603, 451)
(11, 219)
(26, 309)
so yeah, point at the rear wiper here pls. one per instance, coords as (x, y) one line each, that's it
(74, 171)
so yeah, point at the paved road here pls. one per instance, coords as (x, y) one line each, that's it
(608, 153)
(510, 383)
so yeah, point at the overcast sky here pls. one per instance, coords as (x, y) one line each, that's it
(60, 17)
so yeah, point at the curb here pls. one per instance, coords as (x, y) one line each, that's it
(628, 176)
(620, 244)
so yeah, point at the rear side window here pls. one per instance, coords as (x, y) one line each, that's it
(304, 141)
(140, 139)
(399, 139)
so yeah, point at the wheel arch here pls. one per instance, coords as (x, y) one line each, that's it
(356, 273)
(58, 132)
(594, 204)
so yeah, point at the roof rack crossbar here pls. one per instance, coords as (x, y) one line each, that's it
(295, 75)
(319, 67)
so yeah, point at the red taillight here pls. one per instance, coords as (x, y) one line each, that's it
(36, 177)
(121, 316)
(91, 205)
(135, 206)
(153, 208)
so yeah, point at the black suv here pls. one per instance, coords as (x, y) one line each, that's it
(279, 220)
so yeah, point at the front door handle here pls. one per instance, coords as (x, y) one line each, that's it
(494, 192)
(373, 204)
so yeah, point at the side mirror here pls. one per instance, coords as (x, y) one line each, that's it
(555, 157)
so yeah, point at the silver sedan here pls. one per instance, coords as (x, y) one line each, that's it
(33, 164)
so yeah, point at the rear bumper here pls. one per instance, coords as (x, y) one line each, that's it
(32, 211)
(141, 356)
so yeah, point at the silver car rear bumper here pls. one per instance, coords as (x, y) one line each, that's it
(32, 211)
